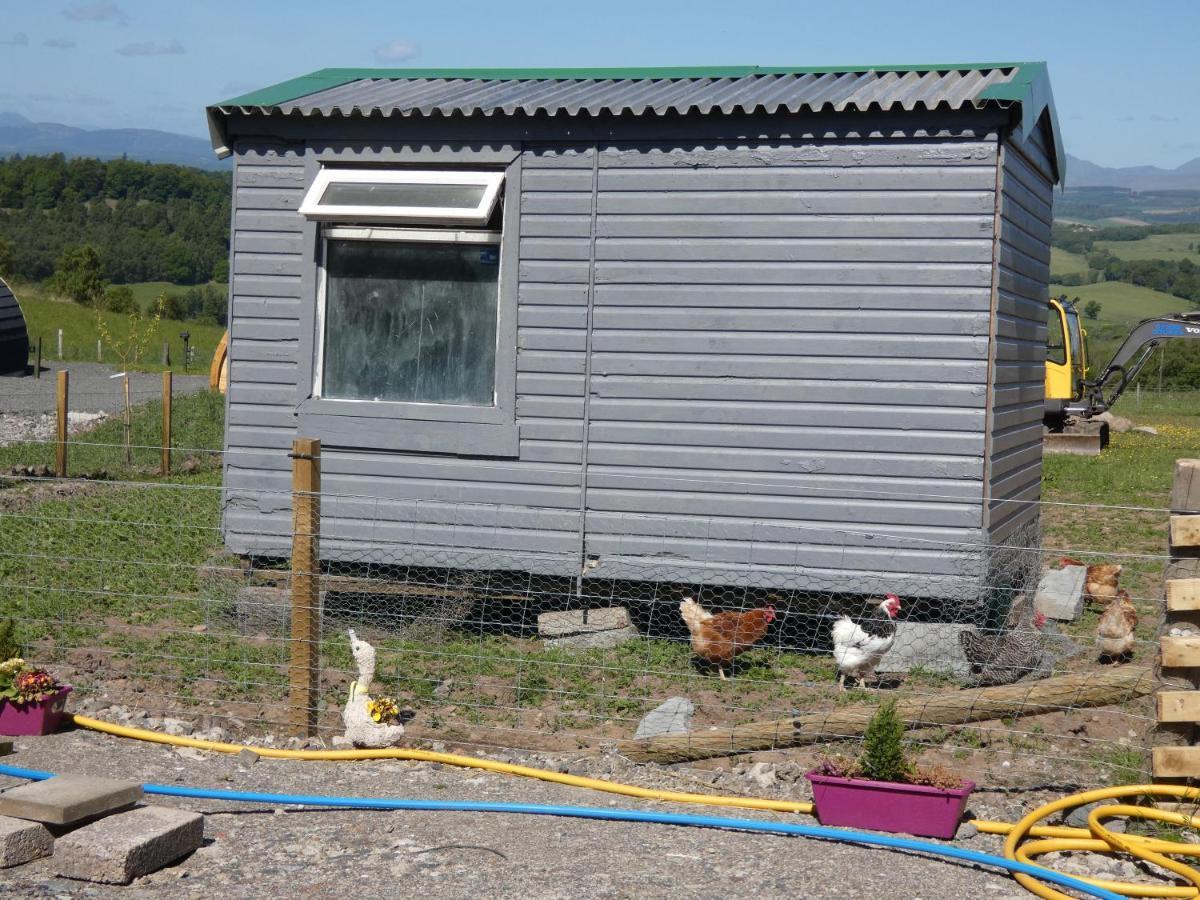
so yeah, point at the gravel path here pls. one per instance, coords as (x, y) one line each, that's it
(254, 852)
(27, 404)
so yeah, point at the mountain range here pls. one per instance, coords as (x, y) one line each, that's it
(1081, 173)
(21, 135)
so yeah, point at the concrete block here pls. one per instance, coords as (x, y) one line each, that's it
(1060, 593)
(22, 841)
(66, 799)
(932, 646)
(604, 628)
(120, 848)
(672, 717)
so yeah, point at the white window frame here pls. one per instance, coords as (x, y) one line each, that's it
(406, 235)
(313, 208)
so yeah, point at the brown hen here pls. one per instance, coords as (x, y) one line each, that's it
(718, 638)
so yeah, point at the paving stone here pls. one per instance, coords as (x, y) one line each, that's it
(571, 621)
(672, 717)
(1060, 593)
(120, 848)
(932, 646)
(66, 799)
(596, 639)
(22, 841)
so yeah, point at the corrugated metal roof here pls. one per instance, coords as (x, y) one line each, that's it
(640, 92)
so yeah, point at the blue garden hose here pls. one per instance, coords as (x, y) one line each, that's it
(615, 815)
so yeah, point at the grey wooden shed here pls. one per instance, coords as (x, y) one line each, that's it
(745, 326)
(14, 337)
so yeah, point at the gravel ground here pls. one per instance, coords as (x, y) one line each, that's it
(255, 852)
(92, 388)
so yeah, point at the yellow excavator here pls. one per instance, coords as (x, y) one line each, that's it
(1072, 399)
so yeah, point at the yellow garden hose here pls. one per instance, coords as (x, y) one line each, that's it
(1051, 838)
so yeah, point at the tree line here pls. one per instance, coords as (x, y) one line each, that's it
(147, 221)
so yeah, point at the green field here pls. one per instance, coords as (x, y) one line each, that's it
(146, 293)
(1171, 247)
(1122, 304)
(45, 314)
(1063, 262)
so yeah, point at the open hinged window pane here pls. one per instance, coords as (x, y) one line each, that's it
(465, 198)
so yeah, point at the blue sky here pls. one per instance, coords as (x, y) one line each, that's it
(1126, 76)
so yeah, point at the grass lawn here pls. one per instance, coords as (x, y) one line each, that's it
(1174, 247)
(1063, 262)
(45, 314)
(1121, 304)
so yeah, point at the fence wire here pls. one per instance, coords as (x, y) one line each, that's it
(176, 599)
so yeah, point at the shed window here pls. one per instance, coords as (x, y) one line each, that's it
(410, 320)
(373, 195)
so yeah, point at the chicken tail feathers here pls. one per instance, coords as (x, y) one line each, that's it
(693, 613)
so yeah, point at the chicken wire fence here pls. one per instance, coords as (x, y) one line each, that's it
(129, 591)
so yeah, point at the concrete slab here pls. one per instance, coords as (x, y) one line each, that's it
(1060, 593)
(67, 799)
(932, 646)
(603, 628)
(120, 848)
(22, 841)
(672, 717)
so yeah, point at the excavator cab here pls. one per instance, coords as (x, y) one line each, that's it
(1066, 356)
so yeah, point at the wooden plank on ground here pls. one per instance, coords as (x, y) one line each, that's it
(1183, 594)
(1176, 762)
(1179, 706)
(1180, 652)
(1185, 535)
(1185, 490)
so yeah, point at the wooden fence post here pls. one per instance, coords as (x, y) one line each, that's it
(60, 454)
(166, 423)
(1175, 755)
(60, 344)
(304, 669)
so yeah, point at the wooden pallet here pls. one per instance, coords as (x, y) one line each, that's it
(1178, 757)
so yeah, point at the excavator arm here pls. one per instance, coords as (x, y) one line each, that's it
(1099, 394)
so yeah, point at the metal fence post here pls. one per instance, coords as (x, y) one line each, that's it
(60, 450)
(166, 423)
(304, 670)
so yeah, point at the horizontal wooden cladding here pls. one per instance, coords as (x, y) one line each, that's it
(891, 346)
(799, 178)
(817, 202)
(658, 559)
(655, 318)
(833, 510)
(799, 273)
(287, 264)
(783, 250)
(248, 328)
(828, 365)
(798, 484)
(1030, 188)
(850, 154)
(274, 221)
(793, 412)
(270, 198)
(266, 286)
(704, 387)
(779, 225)
(908, 468)
(267, 350)
(862, 299)
(264, 241)
(786, 437)
(270, 176)
(267, 307)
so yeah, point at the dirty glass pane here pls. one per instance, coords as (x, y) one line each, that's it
(411, 321)
(1056, 348)
(454, 196)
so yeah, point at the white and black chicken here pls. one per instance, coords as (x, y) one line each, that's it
(859, 645)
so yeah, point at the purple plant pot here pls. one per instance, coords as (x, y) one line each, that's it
(885, 806)
(39, 717)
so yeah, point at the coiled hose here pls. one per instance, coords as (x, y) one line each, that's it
(1095, 838)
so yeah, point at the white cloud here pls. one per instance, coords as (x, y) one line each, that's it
(398, 50)
(150, 48)
(102, 11)
(20, 39)
(59, 44)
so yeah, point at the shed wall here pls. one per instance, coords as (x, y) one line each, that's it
(788, 382)
(14, 337)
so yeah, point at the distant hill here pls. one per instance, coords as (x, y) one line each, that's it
(19, 135)
(1081, 173)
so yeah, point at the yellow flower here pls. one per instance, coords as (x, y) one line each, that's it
(384, 710)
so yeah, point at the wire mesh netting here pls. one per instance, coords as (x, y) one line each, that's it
(129, 590)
